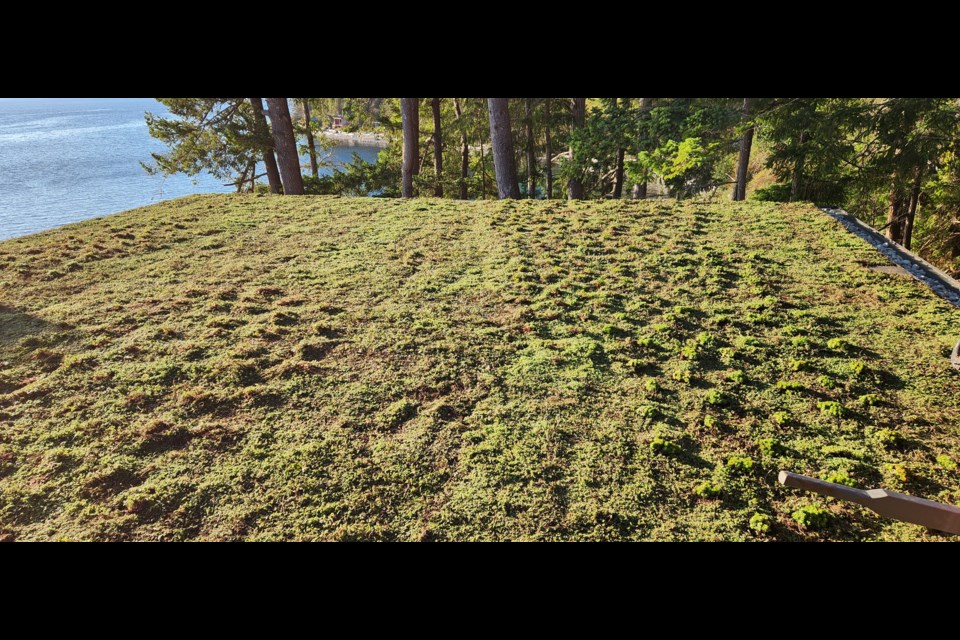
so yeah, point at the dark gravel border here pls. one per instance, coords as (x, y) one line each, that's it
(938, 281)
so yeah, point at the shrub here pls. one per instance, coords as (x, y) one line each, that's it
(736, 376)
(899, 471)
(780, 417)
(811, 517)
(740, 464)
(839, 477)
(778, 192)
(707, 490)
(646, 342)
(689, 351)
(646, 411)
(788, 385)
(665, 447)
(710, 422)
(398, 413)
(837, 344)
(946, 462)
(827, 382)
(705, 339)
(792, 330)
(856, 368)
(770, 447)
(888, 438)
(761, 522)
(612, 331)
(717, 398)
(837, 451)
(869, 400)
(831, 408)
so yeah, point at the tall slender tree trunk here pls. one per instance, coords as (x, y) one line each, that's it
(501, 137)
(410, 116)
(531, 158)
(618, 174)
(483, 164)
(437, 148)
(311, 146)
(797, 181)
(618, 167)
(288, 160)
(912, 209)
(743, 161)
(262, 129)
(464, 149)
(640, 189)
(895, 226)
(578, 108)
(548, 165)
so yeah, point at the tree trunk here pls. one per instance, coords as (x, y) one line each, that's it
(483, 161)
(410, 115)
(618, 175)
(464, 150)
(797, 173)
(437, 148)
(262, 130)
(618, 168)
(242, 180)
(640, 189)
(531, 158)
(895, 226)
(578, 108)
(743, 162)
(311, 147)
(548, 166)
(501, 137)
(288, 160)
(912, 209)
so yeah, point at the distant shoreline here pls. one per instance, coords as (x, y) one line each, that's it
(359, 139)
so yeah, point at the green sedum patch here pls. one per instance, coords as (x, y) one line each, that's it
(811, 517)
(761, 522)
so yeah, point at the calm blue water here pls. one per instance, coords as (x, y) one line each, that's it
(64, 160)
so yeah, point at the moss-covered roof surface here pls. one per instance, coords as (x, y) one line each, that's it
(244, 367)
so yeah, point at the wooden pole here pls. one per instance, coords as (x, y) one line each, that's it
(930, 514)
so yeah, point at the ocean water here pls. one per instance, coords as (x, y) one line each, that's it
(64, 160)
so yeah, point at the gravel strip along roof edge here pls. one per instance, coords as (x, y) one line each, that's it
(938, 281)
